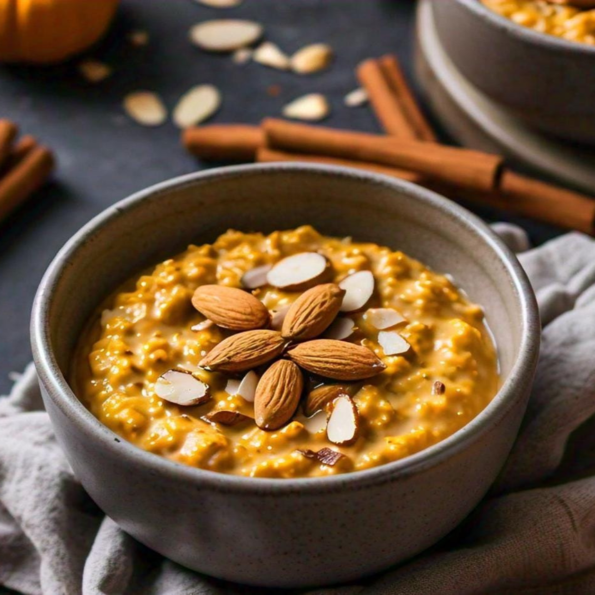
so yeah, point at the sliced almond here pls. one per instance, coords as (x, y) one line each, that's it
(202, 326)
(181, 388)
(438, 388)
(230, 308)
(312, 313)
(340, 329)
(343, 422)
(225, 35)
(311, 108)
(233, 386)
(278, 395)
(196, 105)
(247, 387)
(220, 3)
(226, 417)
(300, 272)
(256, 277)
(138, 38)
(383, 318)
(242, 56)
(356, 98)
(316, 423)
(271, 55)
(244, 351)
(359, 288)
(320, 397)
(145, 108)
(392, 343)
(278, 317)
(312, 58)
(336, 359)
(94, 71)
(325, 456)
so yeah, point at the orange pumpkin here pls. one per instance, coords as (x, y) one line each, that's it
(49, 31)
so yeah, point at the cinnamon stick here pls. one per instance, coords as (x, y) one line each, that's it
(266, 155)
(228, 142)
(464, 168)
(395, 77)
(385, 102)
(8, 132)
(25, 177)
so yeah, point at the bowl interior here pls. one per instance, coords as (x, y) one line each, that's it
(162, 221)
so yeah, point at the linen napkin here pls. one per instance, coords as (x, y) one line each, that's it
(534, 534)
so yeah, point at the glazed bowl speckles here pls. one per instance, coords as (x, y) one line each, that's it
(301, 532)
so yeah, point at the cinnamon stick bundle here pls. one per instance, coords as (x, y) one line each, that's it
(463, 168)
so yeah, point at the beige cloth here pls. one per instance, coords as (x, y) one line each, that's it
(534, 534)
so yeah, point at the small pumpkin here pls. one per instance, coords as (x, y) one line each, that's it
(50, 31)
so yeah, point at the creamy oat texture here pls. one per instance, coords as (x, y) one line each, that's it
(573, 24)
(144, 330)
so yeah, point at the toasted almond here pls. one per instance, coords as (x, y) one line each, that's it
(244, 351)
(225, 35)
(392, 343)
(196, 105)
(315, 423)
(181, 388)
(311, 108)
(278, 395)
(242, 56)
(138, 38)
(343, 422)
(312, 58)
(94, 71)
(438, 388)
(230, 308)
(359, 288)
(278, 317)
(256, 277)
(271, 55)
(320, 397)
(220, 3)
(312, 313)
(325, 456)
(226, 417)
(356, 98)
(383, 318)
(340, 329)
(300, 272)
(145, 108)
(336, 359)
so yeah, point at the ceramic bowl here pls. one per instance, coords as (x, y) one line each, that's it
(546, 81)
(301, 532)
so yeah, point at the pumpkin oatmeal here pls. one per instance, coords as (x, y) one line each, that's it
(287, 355)
(574, 23)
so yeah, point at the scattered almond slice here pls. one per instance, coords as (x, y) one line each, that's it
(196, 105)
(242, 56)
(343, 422)
(326, 456)
(225, 35)
(256, 277)
(145, 108)
(220, 3)
(271, 55)
(138, 38)
(356, 98)
(278, 317)
(182, 388)
(312, 58)
(202, 326)
(392, 343)
(340, 329)
(94, 71)
(359, 288)
(383, 318)
(316, 423)
(312, 108)
(299, 272)
(247, 387)
(226, 417)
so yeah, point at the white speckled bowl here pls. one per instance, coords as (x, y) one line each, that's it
(546, 81)
(301, 532)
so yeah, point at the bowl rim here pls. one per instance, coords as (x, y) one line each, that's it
(525, 33)
(62, 396)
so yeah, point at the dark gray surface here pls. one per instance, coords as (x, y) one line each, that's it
(103, 157)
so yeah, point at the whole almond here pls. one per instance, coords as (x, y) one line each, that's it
(336, 359)
(319, 397)
(230, 308)
(312, 313)
(244, 351)
(278, 395)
